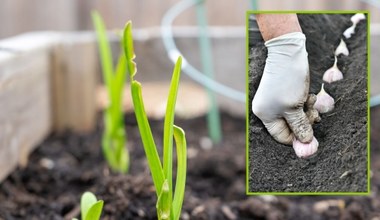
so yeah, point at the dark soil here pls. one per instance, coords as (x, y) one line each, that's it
(215, 176)
(342, 133)
(215, 186)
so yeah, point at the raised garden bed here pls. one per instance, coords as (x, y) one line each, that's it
(60, 73)
(65, 165)
(58, 160)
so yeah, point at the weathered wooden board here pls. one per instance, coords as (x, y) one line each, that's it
(47, 82)
(25, 116)
(18, 16)
(74, 79)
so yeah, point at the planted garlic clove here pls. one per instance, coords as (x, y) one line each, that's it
(342, 49)
(325, 102)
(357, 17)
(305, 150)
(349, 31)
(333, 74)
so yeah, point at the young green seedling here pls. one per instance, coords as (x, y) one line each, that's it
(90, 208)
(114, 136)
(168, 205)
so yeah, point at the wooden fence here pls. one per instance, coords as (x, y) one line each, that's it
(19, 16)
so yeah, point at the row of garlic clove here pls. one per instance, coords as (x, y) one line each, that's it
(325, 102)
(334, 74)
(355, 20)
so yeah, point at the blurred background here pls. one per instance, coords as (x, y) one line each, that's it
(74, 15)
(22, 16)
(60, 81)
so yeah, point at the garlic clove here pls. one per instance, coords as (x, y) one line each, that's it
(342, 49)
(357, 17)
(333, 74)
(305, 150)
(325, 102)
(349, 31)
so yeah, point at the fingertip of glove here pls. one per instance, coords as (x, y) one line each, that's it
(300, 125)
(304, 136)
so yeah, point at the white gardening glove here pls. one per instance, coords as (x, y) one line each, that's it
(284, 88)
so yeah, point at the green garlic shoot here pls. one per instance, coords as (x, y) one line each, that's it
(90, 207)
(114, 136)
(169, 201)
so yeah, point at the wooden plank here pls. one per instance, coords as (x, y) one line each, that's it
(74, 82)
(47, 80)
(23, 16)
(25, 117)
(155, 98)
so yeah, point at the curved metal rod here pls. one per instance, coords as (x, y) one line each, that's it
(192, 72)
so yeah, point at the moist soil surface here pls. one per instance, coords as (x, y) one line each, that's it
(340, 165)
(65, 166)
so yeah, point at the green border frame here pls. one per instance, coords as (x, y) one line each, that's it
(368, 102)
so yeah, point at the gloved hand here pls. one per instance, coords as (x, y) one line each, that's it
(284, 88)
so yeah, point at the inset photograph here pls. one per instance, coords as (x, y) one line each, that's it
(308, 112)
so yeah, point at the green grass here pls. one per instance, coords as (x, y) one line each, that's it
(114, 135)
(168, 205)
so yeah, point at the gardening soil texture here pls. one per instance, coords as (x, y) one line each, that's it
(66, 165)
(340, 164)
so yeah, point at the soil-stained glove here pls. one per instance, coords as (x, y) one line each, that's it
(284, 88)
